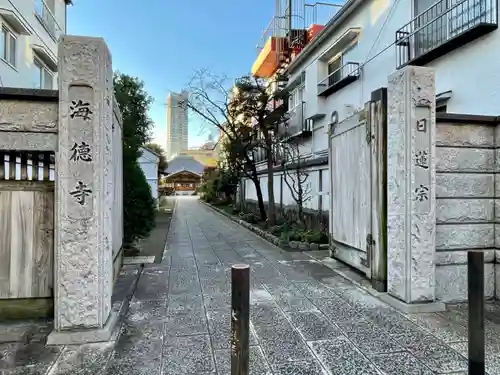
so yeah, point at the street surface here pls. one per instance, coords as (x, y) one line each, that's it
(305, 319)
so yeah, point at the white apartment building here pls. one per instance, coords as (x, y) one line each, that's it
(30, 33)
(333, 77)
(367, 40)
(177, 124)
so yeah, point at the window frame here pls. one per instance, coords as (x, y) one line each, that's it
(296, 97)
(6, 54)
(44, 70)
(332, 78)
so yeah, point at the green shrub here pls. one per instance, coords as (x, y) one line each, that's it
(138, 203)
(250, 218)
(276, 230)
(310, 236)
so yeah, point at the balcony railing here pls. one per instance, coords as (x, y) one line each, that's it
(47, 19)
(443, 28)
(297, 125)
(339, 79)
(260, 154)
(276, 102)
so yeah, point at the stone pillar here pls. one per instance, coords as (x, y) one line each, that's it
(496, 211)
(411, 195)
(84, 193)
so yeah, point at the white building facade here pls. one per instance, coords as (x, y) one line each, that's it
(149, 161)
(177, 124)
(335, 75)
(358, 46)
(360, 41)
(30, 34)
(363, 35)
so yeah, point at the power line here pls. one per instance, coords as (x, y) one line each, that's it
(387, 18)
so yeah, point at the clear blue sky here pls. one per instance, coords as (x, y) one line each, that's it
(164, 41)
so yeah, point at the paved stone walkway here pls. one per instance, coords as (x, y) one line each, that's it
(305, 320)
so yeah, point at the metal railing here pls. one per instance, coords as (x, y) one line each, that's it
(47, 18)
(259, 154)
(296, 124)
(441, 24)
(319, 13)
(272, 89)
(276, 28)
(348, 70)
(296, 121)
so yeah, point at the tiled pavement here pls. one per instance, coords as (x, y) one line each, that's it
(304, 318)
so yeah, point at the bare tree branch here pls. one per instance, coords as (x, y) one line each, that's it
(296, 177)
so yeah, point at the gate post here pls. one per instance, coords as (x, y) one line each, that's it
(83, 263)
(411, 195)
(240, 318)
(378, 129)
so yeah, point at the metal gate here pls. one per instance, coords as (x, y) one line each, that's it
(358, 189)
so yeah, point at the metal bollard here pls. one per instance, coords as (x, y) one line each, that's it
(240, 318)
(475, 281)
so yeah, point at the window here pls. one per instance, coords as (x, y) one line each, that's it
(42, 76)
(296, 98)
(334, 71)
(9, 46)
(441, 108)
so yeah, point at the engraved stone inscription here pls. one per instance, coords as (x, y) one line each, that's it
(81, 192)
(80, 109)
(422, 125)
(79, 152)
(82, 151)
(422, 161)
(422, 193)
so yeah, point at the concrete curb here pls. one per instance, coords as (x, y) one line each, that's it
(292, 246)
(165, 248)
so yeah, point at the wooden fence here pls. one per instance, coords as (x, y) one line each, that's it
(26, 224)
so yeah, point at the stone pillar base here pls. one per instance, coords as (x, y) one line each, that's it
(412, 308)
(84, 336)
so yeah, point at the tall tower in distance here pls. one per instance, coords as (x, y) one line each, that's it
(177, 123)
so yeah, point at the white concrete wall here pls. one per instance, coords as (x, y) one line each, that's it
(465, 205)
(286, 198)
(153, 183)
(149, 165)
(22, 75)
(456, 71)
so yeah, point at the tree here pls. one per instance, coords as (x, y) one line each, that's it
(296, 178)
(162, 165)
(134, 104)
(219, 184)
(248, 119)
(138, 204)
(238, 152)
